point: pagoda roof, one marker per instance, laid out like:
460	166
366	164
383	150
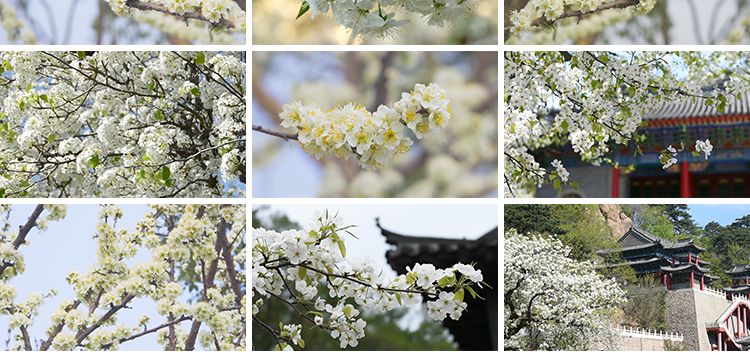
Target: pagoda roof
637	238
698	112
739	269
737	288
679	268
473	331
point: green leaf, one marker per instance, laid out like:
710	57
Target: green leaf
721	107
447	281
81	54
459	295
44	98
709	102
342	247
410	278
471	291
398	298
556	183
158	115
276	348
7	66
2	193
94	161
151	85
51	139
695	154
302	272
165	172
301	343
313	234
631	91
347	311
22	105
29	87
195	91
304	8
564	125
201	59
168	182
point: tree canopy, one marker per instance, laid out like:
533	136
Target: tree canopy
122	124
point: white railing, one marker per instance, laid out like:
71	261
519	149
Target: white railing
715	292
644	333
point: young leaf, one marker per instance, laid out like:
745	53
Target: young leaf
94	161
398	298
51	139
81	54
201	59
459	296
158	115
165	173
342	247
304	8
195	91
302	272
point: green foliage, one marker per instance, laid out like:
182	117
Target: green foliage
586	230
646	306
278	221
675	346
652	218
531	218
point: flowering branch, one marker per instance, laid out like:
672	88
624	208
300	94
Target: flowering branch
146	6
543	20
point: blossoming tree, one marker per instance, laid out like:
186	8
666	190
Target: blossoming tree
198	247
595	101
127	124
435	138
292	266
553	302
178	21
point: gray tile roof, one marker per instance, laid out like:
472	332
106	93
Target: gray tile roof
688	109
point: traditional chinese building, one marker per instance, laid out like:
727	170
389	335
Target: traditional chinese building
674	264
726	173
477	329
740	275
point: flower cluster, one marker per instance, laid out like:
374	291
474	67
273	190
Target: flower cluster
15	26
367	19
314	257
130	137
564	300
373	137
594	100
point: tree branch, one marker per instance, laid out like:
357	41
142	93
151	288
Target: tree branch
619	4
285	136
146	6
22	232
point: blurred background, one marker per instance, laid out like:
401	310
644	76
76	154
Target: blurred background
92	22
274	23
459	161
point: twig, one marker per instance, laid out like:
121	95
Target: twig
285	136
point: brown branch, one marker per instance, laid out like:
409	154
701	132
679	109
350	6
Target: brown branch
22	232
619	4
86	332
47	343
285	136
146	6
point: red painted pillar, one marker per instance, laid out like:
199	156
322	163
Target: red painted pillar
690	258
744	318
615	182
696	259
684	180
718	335
702	283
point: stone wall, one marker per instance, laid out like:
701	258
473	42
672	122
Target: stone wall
641	344
688	310
594	182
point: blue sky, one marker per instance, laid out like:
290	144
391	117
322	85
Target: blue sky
723	214
67	245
